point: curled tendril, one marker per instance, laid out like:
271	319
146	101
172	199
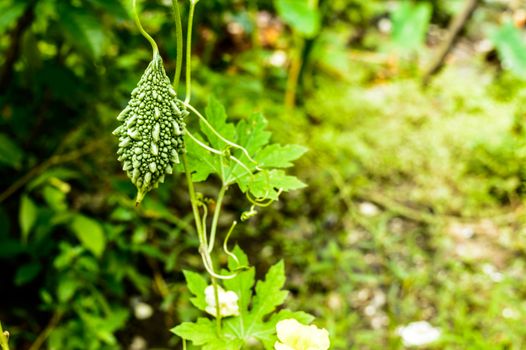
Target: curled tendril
225	243
259	202
205	215
249	214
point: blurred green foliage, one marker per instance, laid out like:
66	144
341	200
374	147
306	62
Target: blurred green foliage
410	24
414	207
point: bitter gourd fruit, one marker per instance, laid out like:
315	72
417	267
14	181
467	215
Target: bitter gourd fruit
151	133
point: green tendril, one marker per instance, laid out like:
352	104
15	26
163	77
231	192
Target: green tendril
230	143
225	243
259	201
203	219
220	153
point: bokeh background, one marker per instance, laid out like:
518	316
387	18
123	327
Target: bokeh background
414	209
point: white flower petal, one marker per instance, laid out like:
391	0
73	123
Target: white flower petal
418	334
142	311
281	346
296	336
227	302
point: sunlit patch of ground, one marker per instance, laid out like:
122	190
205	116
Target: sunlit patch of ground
416	223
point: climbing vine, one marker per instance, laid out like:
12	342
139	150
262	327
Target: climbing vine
154	141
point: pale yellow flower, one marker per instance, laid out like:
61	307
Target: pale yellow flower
293	335
227	302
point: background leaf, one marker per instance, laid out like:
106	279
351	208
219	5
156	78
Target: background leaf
90	234
113	7
10	12
410	23
66	288
511	48
27	216
83	30
10	153
299	15
27	272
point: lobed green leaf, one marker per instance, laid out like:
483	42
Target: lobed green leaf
196	284
277	156
251	134
216	116
254	321
268	292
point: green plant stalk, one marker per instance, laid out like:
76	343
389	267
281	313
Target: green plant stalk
213	230
3	339
189	52
179	42
294	73
193	199
155	49
203	249
218	307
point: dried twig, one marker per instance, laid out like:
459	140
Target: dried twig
455	28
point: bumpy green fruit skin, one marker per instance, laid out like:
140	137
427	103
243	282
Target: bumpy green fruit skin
151	134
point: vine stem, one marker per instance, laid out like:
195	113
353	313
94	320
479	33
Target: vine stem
193	199
200	225
218	307
203	249
219	204
179	42
189	51
155	49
